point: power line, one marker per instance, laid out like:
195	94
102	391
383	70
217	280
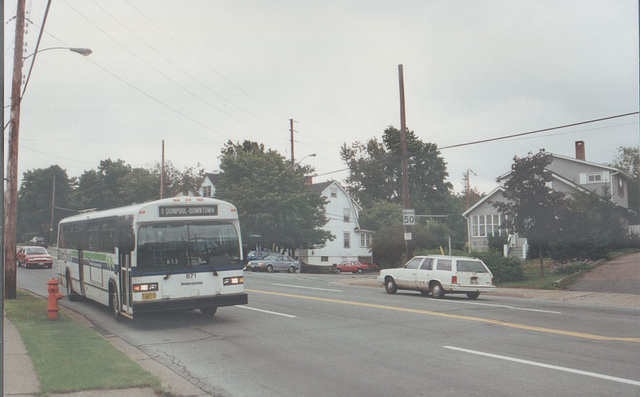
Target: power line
537	131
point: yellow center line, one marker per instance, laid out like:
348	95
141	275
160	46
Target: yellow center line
455	316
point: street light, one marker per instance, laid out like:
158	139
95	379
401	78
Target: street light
308	155
82	51
10	198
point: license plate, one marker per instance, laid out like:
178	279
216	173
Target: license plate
41	264
474	280
148	295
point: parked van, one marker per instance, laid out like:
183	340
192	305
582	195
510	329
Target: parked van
439	274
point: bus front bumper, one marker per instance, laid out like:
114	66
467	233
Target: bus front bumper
190	303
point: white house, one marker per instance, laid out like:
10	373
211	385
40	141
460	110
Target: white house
351	242
208	188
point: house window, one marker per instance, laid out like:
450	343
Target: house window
486	225
620	187
324	259
365	240
346	215
206	191
594	177
347	240
334	192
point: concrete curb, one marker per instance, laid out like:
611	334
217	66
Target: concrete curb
599	298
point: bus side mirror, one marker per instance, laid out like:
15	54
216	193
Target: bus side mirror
127	242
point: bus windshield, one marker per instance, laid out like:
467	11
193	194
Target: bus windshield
173	247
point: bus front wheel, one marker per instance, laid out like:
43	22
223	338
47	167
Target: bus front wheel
113	303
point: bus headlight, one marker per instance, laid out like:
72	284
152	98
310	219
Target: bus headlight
145	287
233	280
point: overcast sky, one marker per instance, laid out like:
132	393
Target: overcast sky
198	73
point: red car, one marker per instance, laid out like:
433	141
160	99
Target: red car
34	257
351	266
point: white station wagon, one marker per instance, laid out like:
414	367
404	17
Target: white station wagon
438	274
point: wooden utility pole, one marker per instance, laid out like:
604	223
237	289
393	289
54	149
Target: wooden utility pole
162	173
292	157
11	199
404	154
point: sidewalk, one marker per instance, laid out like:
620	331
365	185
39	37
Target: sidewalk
584	297
20	379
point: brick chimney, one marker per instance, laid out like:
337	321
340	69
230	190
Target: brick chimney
580	155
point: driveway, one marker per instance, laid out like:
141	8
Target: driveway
621	276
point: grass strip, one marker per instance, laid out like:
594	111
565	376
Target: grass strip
69	356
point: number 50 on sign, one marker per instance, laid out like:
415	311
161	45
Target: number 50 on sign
409	217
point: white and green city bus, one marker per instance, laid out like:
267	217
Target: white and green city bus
176	253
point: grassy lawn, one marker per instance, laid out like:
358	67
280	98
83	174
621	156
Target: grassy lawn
68	356
533	280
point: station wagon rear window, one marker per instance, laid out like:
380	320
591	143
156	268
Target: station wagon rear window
471	266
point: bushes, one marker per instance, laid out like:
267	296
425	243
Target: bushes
504	269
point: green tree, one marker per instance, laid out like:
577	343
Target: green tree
533	209
178	182
100	188
380	213
139	186
376	172
35	199
273	200
593	227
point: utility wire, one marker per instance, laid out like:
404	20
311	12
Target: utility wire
204	63
537	131
178	68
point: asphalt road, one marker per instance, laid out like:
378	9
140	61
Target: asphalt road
305	335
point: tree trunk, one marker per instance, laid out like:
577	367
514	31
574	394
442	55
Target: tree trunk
541	261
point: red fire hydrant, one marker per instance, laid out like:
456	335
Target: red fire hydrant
54	296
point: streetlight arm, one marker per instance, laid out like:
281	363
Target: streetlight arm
82	51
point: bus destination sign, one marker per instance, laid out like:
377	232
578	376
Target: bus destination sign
201	210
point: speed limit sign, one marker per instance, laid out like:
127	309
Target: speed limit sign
409	217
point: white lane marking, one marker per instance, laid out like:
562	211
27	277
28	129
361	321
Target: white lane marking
298	286
266	311
494	305
549	366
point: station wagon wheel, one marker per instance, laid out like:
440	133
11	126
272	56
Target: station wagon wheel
208	311
436	290
359	270
473	295
269	269
292	269
390	286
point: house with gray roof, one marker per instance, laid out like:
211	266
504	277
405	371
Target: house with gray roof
569	175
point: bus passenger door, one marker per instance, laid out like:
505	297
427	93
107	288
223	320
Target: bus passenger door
124	279
126	244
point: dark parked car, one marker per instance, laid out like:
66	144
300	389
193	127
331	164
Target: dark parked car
34	257
38	241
